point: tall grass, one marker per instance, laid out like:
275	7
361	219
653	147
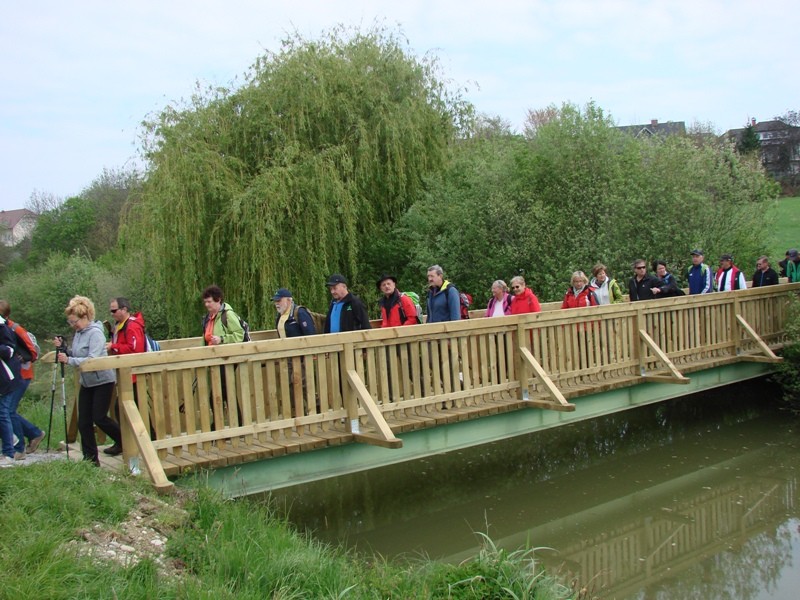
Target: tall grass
230	549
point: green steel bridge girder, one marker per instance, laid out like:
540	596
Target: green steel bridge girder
332	461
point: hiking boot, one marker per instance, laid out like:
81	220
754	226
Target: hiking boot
19	456
114	450
34	443
6	461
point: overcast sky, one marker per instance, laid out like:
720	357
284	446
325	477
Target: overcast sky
79	76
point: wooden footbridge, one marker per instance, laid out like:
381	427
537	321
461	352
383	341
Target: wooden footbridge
214	407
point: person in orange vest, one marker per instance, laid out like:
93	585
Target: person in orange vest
27	353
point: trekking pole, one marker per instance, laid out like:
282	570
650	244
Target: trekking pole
52	400
64	406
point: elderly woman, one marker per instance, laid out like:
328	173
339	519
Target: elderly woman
607	289
94	396
500	302
580	294
525	301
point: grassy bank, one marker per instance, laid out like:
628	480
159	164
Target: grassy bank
69	531
786	228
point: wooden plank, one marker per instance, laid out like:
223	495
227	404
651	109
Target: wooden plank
159	404
187	399
245	397
554	392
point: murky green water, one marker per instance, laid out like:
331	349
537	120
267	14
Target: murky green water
695	498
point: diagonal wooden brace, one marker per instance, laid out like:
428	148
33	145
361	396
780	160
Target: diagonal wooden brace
385	436
770	357
677	376
559	402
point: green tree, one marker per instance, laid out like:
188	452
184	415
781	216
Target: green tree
749	143
279	182
577	192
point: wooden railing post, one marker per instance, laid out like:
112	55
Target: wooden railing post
521	364
348	363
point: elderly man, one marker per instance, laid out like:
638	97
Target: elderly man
444	301
292	319
729	277
699	275
764	275
346	312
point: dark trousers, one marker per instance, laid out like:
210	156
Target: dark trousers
93	403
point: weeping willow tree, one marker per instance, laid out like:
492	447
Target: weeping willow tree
281	181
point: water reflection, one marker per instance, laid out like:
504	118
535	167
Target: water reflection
688	499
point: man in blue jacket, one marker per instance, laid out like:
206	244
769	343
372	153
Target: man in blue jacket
444	301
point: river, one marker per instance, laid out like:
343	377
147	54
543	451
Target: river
691	498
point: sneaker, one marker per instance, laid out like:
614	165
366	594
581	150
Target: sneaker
114	450
6	461
34	443
19	456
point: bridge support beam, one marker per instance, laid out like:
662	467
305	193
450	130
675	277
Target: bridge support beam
769	357
558	402
385	436
677	376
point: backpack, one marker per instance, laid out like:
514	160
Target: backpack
415	299
151	345
466	301
242	322
22	348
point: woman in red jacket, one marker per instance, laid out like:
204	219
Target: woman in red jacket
580	294
525	301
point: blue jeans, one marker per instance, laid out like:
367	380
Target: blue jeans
22	427
6	427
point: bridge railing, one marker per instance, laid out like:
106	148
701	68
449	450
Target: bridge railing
217	403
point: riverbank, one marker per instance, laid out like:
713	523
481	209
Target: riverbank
70	530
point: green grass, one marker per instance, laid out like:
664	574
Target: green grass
229	549
786	230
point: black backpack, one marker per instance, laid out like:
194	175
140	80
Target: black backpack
242	322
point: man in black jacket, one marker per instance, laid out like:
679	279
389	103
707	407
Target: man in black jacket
346	312
764	275
641	284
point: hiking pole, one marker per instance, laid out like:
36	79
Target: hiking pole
52	399
64	406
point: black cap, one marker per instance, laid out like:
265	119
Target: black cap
792	253
383	278
336	279
726	257
697	252
282	293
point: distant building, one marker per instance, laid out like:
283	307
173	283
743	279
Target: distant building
654	128
16	225
780	146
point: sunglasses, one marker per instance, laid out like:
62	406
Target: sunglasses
113	311
516	287
637	268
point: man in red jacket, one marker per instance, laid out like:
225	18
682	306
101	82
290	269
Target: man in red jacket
396	307
127	336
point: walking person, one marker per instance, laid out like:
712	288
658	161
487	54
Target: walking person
97	387
641	284
396	308
291	319
699	275
500	303
444	301
605	288
221	325
524	301
764	275
346	311
9	380
729	278
27	353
